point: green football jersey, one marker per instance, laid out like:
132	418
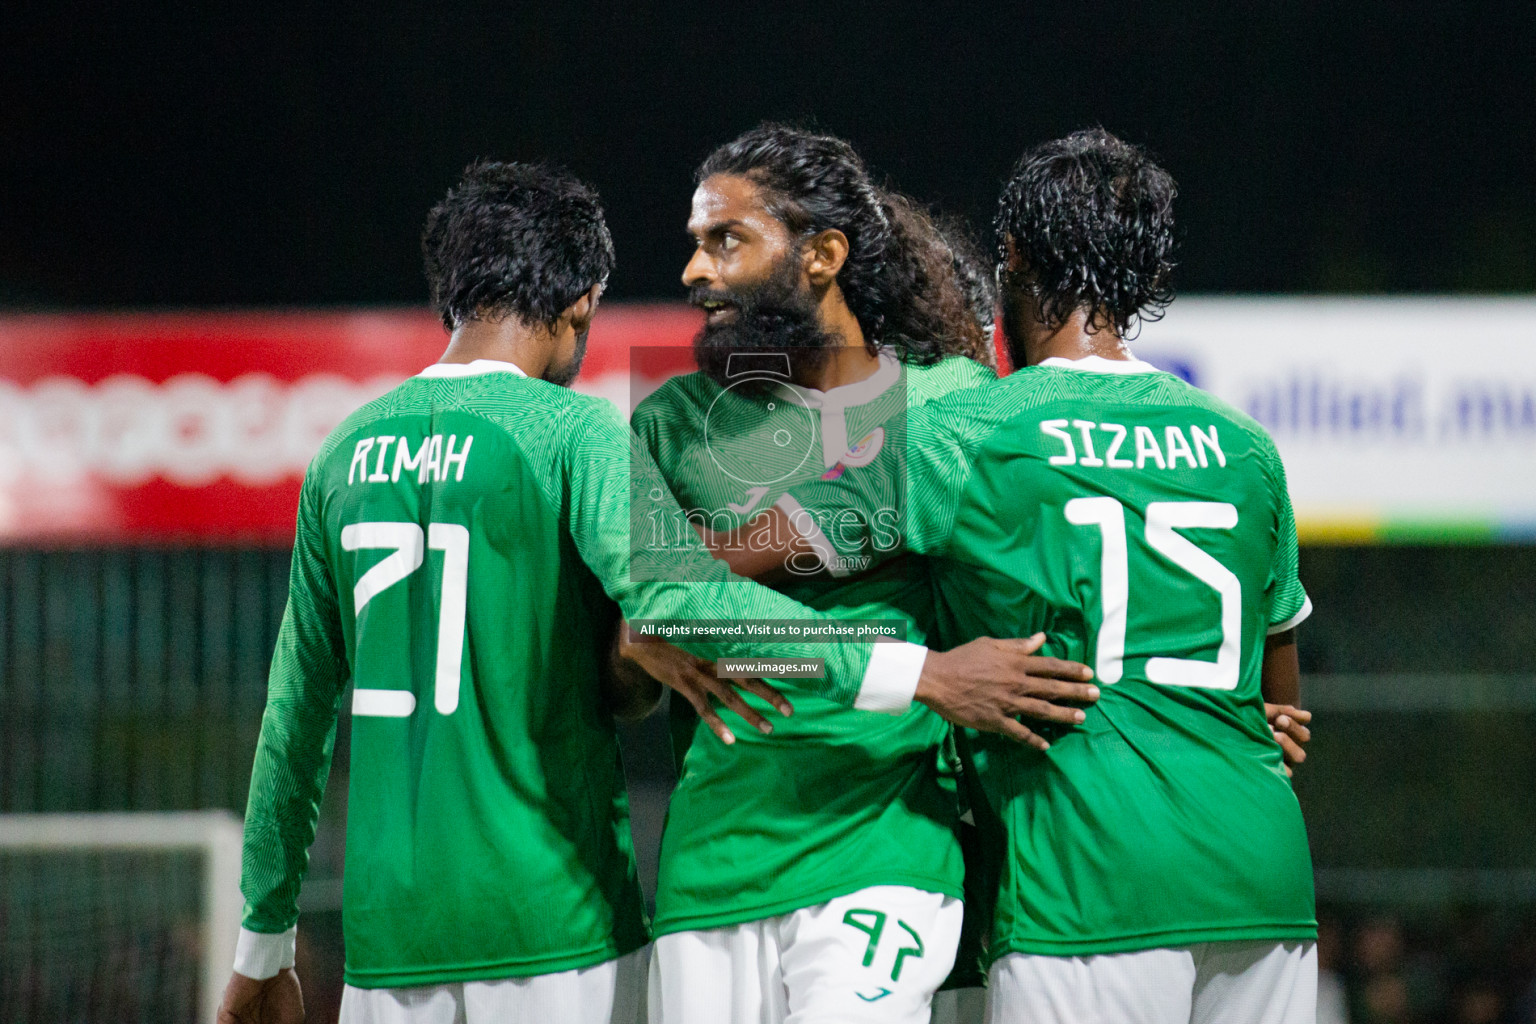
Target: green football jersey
836	799
1145	527
460	544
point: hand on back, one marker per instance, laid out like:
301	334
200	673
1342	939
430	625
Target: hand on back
986	683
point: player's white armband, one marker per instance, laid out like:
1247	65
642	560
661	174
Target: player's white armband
890	681
260	956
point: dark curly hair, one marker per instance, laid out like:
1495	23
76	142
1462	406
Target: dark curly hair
1091	218
976	280
899	279
513	239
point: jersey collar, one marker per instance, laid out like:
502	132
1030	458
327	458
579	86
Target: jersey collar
1098	364
472	369
857	393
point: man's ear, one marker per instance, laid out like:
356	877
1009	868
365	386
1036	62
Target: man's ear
1015	261
826	252
581	312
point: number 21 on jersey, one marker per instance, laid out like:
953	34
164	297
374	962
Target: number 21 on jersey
407	551
1163	518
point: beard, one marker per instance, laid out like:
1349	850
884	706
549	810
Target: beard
775	317
566	374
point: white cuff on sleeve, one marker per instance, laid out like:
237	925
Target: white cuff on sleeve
260	956
891	678
805	525
1294	620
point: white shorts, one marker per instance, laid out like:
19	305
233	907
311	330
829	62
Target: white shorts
1208	983
612	992
875	955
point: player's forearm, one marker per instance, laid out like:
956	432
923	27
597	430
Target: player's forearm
293	759
728	608
1280	681
764	549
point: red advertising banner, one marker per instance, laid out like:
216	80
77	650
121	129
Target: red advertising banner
166	427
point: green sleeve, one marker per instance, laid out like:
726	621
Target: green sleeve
298	733
668	419
905	500
647	420
632	534
1288	601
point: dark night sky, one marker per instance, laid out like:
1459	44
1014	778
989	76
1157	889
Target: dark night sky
158	154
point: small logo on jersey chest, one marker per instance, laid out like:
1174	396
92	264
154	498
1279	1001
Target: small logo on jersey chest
863	453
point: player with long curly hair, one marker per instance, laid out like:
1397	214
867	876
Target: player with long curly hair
815	873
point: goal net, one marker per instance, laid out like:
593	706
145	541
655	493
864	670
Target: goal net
117	917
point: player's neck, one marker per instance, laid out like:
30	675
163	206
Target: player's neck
507	341
1073	340
850	361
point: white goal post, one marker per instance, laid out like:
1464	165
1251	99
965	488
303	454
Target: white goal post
214	835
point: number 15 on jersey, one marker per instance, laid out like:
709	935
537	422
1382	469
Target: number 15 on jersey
1163	518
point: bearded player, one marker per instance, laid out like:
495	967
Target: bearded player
814	873
461	545
1157	866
